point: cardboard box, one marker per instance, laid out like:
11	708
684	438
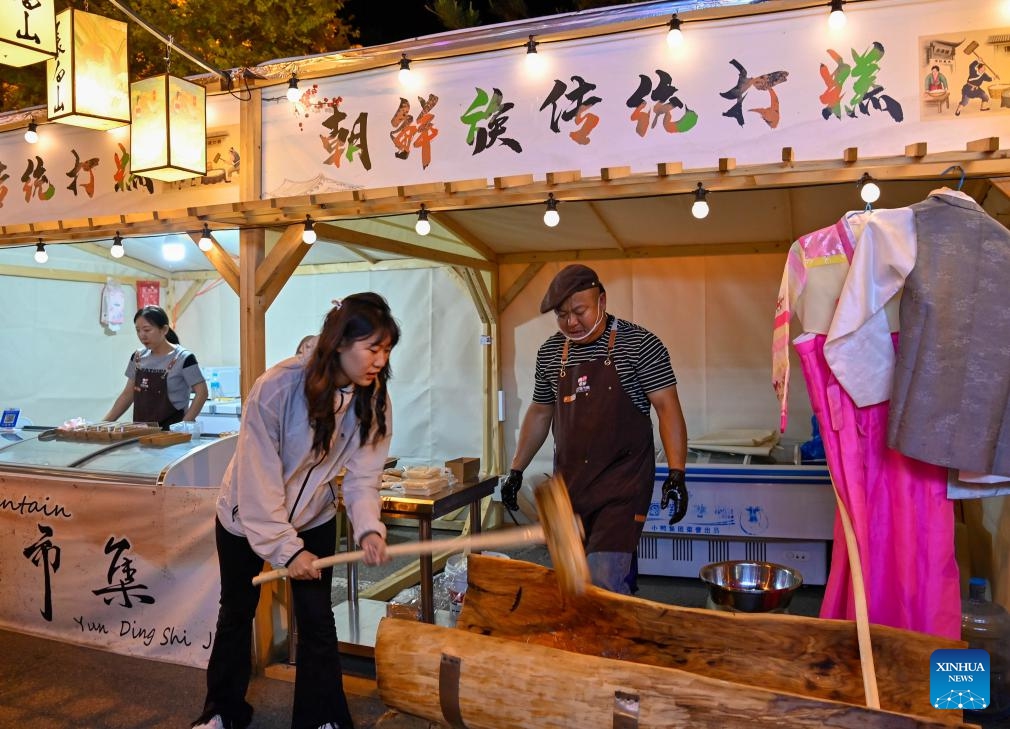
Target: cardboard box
464	469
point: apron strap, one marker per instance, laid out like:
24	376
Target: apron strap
610	348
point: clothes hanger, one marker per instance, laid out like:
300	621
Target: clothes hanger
960	182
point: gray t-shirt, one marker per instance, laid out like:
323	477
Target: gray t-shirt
184	372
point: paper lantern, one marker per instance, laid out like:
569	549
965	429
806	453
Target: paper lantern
27	31
88	83
168	137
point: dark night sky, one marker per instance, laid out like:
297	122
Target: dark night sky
384	22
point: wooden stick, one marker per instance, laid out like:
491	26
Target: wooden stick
531	534
859	600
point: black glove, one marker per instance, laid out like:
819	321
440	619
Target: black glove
510	486
675	493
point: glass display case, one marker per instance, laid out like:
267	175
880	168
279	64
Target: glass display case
196	463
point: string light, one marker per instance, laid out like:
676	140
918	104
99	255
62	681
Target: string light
117	251
674	37
700	207
293	93
869	190
836	20
551	216
404	72
534	61
422	226
40	252
309	233
206	243
32	133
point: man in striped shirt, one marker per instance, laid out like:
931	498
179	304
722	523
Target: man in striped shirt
595	382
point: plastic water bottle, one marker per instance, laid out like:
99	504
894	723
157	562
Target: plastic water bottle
215	387
986	625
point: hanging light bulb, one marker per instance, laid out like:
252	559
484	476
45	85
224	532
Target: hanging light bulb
422	226
404	72
40	252
869	190
551	216
31	133
117	251
205	243
309	233
534	61
674	37
836	20
293	93
700	207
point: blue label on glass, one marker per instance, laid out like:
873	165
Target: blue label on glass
9	418
959	679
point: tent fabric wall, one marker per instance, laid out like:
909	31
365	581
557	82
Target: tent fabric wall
58	363
713	313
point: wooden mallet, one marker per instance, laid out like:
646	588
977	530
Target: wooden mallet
559	529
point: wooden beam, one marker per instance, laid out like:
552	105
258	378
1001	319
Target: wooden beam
102	252
670	251
1002	184
522	189
57	274
283	259
560	178
503	183
988	144
850	155
614	173
188	298
594	209
356	250
457	186
519	284
465	236
347	235
727	164
665	169
788	155
917	150
226	268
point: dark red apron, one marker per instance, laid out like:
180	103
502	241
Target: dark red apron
150	395
603	449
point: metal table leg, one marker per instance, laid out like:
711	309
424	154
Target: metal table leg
352	586
427	588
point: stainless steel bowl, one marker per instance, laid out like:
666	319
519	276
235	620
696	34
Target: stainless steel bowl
750	587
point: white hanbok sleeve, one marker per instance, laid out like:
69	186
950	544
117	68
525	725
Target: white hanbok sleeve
858	348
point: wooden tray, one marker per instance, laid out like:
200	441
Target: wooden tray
162	439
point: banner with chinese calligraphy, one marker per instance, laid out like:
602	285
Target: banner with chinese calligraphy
130	569
76	173
742	88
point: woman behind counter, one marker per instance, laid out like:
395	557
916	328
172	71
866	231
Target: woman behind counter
305	420
160	376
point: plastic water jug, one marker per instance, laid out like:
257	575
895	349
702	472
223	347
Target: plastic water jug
215	387
986	625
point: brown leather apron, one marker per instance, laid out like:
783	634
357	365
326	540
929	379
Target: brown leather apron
150	395
603	449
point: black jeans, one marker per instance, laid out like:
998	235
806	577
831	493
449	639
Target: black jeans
319	692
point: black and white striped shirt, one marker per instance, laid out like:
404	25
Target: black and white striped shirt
643	363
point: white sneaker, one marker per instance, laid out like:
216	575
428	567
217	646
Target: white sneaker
215	722
329	725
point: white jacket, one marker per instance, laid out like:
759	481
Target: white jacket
275	486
